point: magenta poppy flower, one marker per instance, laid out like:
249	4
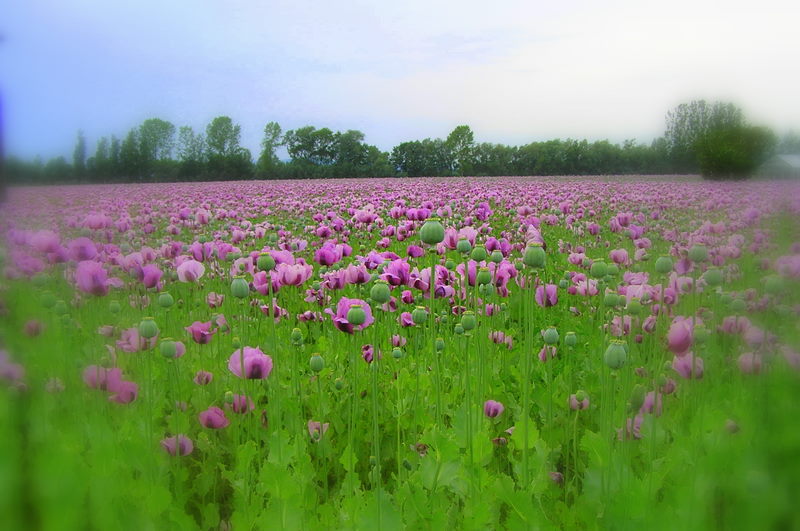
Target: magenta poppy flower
250	363
179	445
688	366
201	332
130	341
240	404
151	276
492	408
340	317
679	337
203	378
293	275
213	418
92	278
124	392
215	300
547	295
317	429
97	377
190	271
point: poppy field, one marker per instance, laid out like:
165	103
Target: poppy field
463	353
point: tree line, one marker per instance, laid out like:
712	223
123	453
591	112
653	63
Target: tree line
709	138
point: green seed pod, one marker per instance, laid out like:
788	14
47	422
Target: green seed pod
236	342
637	397
634	307
165	299
725	299
316	363
338	384
563	284
713	277
580	395
616	354
518	266
570	339
610	299
478	253
228	397
661	381
738	305
458	329
496	256
483	276
774	285
419	315
297	336
449	264
664	265
439	344
487	290
60	307
239	288
356	315
265	262
148	328
598	269
114	307
612	270
550	335
48	300
432	232
168	348
469	321
698	253
397	353
380	292
700	334
534	256
463	246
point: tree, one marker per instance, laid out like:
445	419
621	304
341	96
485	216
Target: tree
460	143
268	161
130	160
101	164
79	156
733	152
157	139
222	136
688	122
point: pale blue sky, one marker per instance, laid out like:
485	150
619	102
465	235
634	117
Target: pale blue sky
514	71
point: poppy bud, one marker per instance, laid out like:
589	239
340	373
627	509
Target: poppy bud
550	336
637	397
496	256
338	384
165	299
432	232
534	255
713	277
316	363
356	315
419	315
439	344
297	336
463	246
664	265
48	300
265	262
236	343
468	321
483	276
148	328
570	339
616	354
168	348
239	288
698	253
380	292
478	253
598	269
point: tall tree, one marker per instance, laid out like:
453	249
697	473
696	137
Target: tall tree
460	142
130	159
79	156
222	136
268	161
157	139
689	122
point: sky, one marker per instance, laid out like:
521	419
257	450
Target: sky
514	71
